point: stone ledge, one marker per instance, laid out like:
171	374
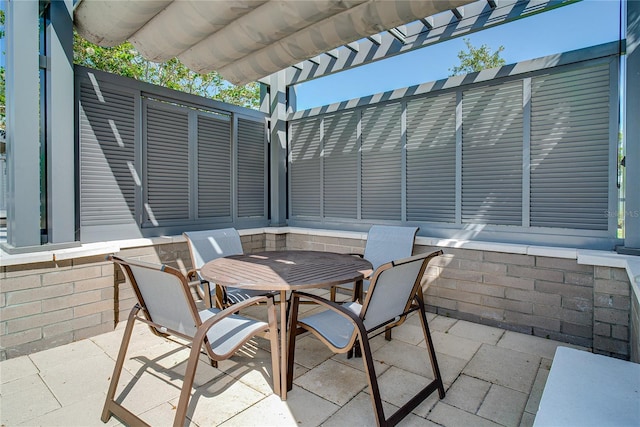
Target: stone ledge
586	257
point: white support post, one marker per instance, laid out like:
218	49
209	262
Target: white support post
632	161
23	124
278	148
60	124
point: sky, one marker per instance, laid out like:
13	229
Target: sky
579	25
582	24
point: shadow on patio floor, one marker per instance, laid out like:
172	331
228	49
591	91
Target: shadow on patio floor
492	376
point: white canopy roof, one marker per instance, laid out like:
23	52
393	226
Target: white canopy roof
244	40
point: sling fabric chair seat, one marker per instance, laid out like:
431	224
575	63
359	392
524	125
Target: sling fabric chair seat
165	303
384	243
395	292
207	245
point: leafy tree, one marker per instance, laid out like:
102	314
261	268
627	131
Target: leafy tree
477	59
124	60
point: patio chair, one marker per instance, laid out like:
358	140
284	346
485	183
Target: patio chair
384	243
394	292
165	303
207	245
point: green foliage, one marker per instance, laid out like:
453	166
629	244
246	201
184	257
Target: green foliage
477	59
124	60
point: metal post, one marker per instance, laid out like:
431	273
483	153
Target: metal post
632	161
23	124
278	149
60	124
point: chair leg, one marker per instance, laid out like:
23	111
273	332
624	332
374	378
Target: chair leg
370	370
117	370
293	326
221	300
432	352
355	351
208	301
333	293
387	334
358	292
187	383
275	353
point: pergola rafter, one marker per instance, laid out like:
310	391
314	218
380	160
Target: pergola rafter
430	30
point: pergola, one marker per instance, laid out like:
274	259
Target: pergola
277	43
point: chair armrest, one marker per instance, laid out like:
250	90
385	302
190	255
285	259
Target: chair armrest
233	309
209	323
338	308
362	256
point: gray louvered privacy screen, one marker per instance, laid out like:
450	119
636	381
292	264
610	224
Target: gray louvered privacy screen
305	168
252	169
569	148
492	154
341	159
107	146
154	161
166	156
214	165
527	153
431	158
381	161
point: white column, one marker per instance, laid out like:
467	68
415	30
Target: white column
23	124
278	148
632	135
60	124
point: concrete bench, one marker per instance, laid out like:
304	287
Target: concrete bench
586	389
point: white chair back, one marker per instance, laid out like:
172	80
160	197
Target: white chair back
163	296
392	290
386	243
208	245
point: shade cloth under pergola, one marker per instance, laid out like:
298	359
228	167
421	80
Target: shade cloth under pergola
244	40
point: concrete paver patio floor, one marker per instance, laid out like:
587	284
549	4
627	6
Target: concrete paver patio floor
492	377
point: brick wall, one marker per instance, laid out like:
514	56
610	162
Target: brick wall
48	304
546	297
549	297
612	309
634	330
44	305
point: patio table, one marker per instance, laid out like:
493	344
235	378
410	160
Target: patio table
285	271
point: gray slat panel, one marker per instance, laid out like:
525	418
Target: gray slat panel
167	163
252	167
107	157
492	129
214	166
431	158
341	165
304	171
570	149
382	162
